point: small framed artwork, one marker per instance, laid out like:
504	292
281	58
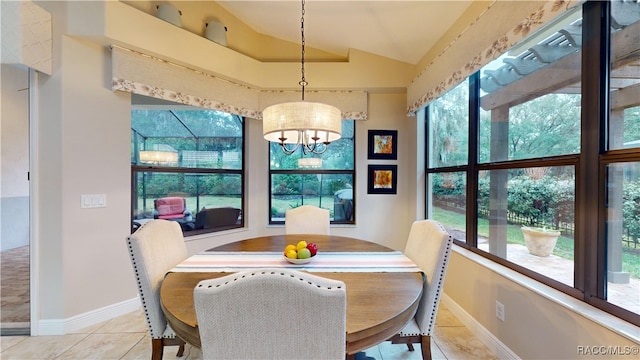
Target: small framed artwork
383	144
383	179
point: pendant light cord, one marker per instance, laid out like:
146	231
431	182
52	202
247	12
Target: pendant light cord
302	82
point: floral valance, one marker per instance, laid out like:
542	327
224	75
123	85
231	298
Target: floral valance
147	75
434	84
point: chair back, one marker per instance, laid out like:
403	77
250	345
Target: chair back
155	248
429	246
172	207
271	314
307	219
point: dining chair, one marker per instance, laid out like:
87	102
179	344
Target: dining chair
429	246
155	248
306	219
271	314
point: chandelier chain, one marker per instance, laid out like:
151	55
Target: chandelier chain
303	81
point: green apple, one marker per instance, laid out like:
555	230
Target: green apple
304	253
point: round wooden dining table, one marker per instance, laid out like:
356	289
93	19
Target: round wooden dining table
379	304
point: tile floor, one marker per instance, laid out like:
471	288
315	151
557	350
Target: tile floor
126	337
14	286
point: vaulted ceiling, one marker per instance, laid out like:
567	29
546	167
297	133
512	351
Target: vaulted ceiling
400	30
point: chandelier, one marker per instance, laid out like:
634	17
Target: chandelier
159	154
307	162
305	124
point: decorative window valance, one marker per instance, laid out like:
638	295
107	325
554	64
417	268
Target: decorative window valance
428	79
143	74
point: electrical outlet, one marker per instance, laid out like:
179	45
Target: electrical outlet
499	310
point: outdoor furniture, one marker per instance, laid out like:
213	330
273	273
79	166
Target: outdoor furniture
306	219
217	217
171	208
154	249
429	246
271	314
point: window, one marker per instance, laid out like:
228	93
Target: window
187	166
448	134
621	161
326	181
546	146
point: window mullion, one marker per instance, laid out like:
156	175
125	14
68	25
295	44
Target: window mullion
590	235
472	168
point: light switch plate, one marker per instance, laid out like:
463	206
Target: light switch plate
89	201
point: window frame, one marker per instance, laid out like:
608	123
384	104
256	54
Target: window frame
136	169
320	171
590	241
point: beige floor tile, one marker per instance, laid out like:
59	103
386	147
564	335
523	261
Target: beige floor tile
42	347
460	343
102	346
90	329
132	322
142	351
190	353
446	318
8	341
436	353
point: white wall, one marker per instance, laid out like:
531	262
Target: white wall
83	148
14	161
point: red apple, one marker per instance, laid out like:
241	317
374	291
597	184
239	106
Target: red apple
313	248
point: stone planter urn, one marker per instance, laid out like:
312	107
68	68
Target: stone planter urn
540	241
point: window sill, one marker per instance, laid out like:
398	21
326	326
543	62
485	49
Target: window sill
596	315
215	234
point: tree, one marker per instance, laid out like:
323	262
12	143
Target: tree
449	127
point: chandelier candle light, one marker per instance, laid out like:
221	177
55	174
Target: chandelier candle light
311	125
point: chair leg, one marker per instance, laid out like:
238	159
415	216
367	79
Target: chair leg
180	351
157	348
426	347
410	346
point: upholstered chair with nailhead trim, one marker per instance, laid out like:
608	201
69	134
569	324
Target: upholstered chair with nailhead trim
429	246
155	248
306	219
272	314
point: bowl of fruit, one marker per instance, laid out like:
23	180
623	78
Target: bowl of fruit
300	253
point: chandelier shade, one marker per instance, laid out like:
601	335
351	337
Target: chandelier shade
309	163
158	157
301	121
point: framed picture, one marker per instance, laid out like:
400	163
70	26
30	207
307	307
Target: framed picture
383	179
383	144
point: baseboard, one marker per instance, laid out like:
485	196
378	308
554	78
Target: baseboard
78	322
484	335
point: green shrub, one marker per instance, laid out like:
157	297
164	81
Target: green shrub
631	208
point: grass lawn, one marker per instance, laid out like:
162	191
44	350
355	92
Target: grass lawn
564	247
